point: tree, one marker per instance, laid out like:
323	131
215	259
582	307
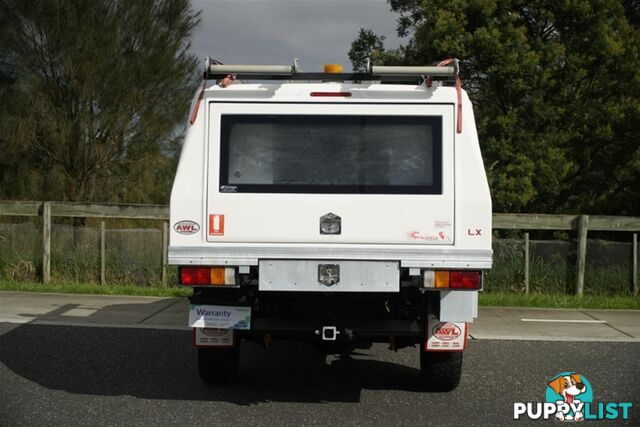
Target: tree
367	44
556	89
92	97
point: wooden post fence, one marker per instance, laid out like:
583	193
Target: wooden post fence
635	263
526	263
103	254
165	255
525	222
583	227
46	242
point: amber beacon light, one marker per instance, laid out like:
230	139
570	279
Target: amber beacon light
332	68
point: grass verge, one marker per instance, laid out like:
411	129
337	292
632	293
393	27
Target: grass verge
93	289
487	299
606	302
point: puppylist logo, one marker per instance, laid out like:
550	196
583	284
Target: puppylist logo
569	397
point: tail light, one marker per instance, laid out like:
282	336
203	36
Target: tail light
205	276
465	280
442	279
192	276
446	279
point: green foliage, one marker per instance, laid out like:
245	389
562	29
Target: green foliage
556	90
367	45
133	252
61	287
552	268
486	299
600	302
92	97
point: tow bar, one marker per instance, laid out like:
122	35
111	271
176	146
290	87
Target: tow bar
328	333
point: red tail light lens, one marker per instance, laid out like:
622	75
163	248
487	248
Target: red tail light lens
191	276
465	280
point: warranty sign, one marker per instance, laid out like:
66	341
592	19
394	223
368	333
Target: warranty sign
218	316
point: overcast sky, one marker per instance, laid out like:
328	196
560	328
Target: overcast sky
276	31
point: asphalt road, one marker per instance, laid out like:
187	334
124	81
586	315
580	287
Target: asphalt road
69	375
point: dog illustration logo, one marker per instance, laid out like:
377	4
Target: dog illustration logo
570	391
569	397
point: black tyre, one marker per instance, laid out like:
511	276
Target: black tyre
218	366
440	371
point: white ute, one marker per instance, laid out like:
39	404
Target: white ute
341	209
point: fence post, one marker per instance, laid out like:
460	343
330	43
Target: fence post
46	242
526	263
165	243
583	227
635	263
103	254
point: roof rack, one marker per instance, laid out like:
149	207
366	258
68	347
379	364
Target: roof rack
217	71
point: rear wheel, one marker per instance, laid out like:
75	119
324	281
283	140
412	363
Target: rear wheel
440	371
218	365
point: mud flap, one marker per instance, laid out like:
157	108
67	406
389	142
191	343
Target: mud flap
444	336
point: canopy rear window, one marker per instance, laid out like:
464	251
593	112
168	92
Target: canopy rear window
331	154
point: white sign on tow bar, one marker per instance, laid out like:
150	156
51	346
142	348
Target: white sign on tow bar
218	316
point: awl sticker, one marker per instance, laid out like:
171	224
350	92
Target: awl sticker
445	336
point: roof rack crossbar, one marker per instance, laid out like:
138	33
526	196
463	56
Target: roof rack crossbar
217	71
285	70
335	77
213	67
389	70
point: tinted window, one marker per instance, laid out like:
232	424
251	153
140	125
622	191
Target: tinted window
332	154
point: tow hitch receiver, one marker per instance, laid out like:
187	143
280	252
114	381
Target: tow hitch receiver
328	333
